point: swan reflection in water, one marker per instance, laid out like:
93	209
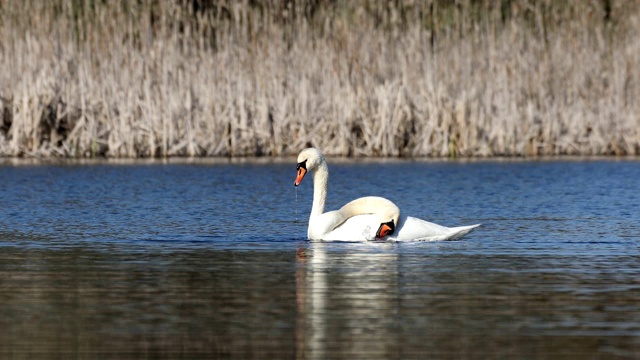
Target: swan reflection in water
346	299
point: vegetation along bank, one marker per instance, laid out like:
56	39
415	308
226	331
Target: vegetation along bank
433	78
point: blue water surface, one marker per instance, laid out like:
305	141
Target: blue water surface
211	259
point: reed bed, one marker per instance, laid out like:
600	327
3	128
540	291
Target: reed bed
357	78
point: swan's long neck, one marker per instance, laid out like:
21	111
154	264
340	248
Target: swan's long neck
320	183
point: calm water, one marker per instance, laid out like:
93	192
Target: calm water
211	260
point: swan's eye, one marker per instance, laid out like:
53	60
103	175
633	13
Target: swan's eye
302	164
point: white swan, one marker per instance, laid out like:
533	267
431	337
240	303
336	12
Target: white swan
367	218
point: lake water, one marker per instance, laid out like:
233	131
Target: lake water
211	260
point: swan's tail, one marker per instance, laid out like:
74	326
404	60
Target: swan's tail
460	231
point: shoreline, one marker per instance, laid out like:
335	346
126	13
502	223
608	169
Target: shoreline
265	160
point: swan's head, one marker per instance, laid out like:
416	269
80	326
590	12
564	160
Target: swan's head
308	159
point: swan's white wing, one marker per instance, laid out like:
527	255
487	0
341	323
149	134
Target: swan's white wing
364	227
411	229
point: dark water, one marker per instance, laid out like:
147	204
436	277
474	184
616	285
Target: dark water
210	260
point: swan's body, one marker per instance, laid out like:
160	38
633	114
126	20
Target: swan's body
375	210
367	218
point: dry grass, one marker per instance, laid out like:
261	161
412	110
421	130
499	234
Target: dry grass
164	78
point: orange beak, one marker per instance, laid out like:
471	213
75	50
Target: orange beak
301	173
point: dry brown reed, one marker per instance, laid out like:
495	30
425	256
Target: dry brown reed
403	78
